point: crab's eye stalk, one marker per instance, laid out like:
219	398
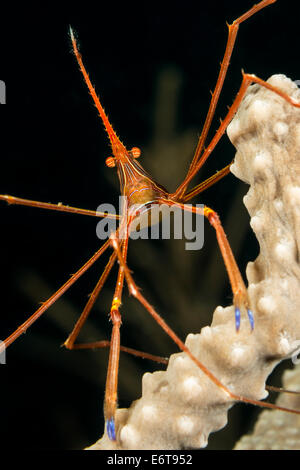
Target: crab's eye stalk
110	162
135	152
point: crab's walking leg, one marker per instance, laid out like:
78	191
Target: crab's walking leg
134	290
69	343
55	207
206	184
240	295
22	328
248	79
237	283
232	33
111	388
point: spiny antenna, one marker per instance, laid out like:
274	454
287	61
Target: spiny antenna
114	140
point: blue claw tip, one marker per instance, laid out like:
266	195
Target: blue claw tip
111	431
251	319
237	318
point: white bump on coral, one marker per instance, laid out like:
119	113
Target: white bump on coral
146	380
284	251
190	339
267	304
294	194
257	222
220	309
181	362
239	354
260	110
164	389
185	425
280	129
285	284
149	412
278	205
206	330
129	436
249	201
235	169
233	130
284	343
191	388
262	161
283	83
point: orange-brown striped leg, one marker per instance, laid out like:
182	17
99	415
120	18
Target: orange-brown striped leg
55	207
22	328
69	343
134	352
206	184
240	295
248	79
111	387
271	388
134	290
232	33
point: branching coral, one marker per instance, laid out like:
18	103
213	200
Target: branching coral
180	407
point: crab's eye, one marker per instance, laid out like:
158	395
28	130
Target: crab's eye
110	162
135	152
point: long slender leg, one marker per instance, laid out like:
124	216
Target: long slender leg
111	387
232	33
134	352
271	388
135	291
240	295
206	184
246	82
56	207
22	328
69	343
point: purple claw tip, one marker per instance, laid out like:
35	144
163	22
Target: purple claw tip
237	318
111	431
251	319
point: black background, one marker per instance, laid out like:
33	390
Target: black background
53	148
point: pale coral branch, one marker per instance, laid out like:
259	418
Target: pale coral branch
180	407
275	430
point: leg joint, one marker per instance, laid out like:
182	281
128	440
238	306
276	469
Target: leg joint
212	216
115	317
115	303
68	344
